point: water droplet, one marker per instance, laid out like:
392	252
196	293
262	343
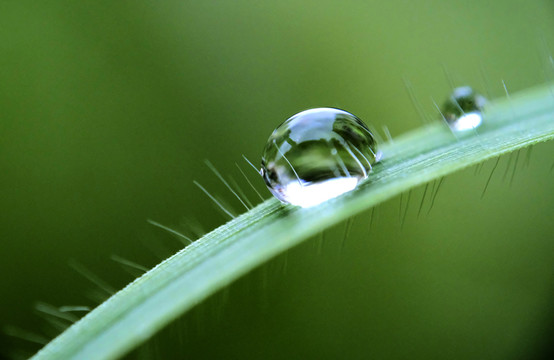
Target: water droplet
463	110
316	155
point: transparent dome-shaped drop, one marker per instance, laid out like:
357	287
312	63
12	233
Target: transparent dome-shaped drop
316	155
463	110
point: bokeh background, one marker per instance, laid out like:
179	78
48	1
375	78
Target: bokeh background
108	110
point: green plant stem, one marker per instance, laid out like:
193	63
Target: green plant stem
177	284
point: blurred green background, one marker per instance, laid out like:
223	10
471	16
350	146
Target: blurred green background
109	108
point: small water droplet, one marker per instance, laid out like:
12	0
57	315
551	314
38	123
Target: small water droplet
316	155
463	110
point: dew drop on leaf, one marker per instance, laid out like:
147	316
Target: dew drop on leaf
463	110
316	155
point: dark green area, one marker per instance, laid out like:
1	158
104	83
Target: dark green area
108	110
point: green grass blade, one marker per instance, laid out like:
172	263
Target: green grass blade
171	288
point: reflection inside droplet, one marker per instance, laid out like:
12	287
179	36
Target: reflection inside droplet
463	110
467	122
316	155
314	194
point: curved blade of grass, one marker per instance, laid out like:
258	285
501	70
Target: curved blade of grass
174	286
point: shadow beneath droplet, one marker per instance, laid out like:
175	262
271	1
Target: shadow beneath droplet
285	210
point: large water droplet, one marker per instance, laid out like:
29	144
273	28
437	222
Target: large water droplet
463	110
316	155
